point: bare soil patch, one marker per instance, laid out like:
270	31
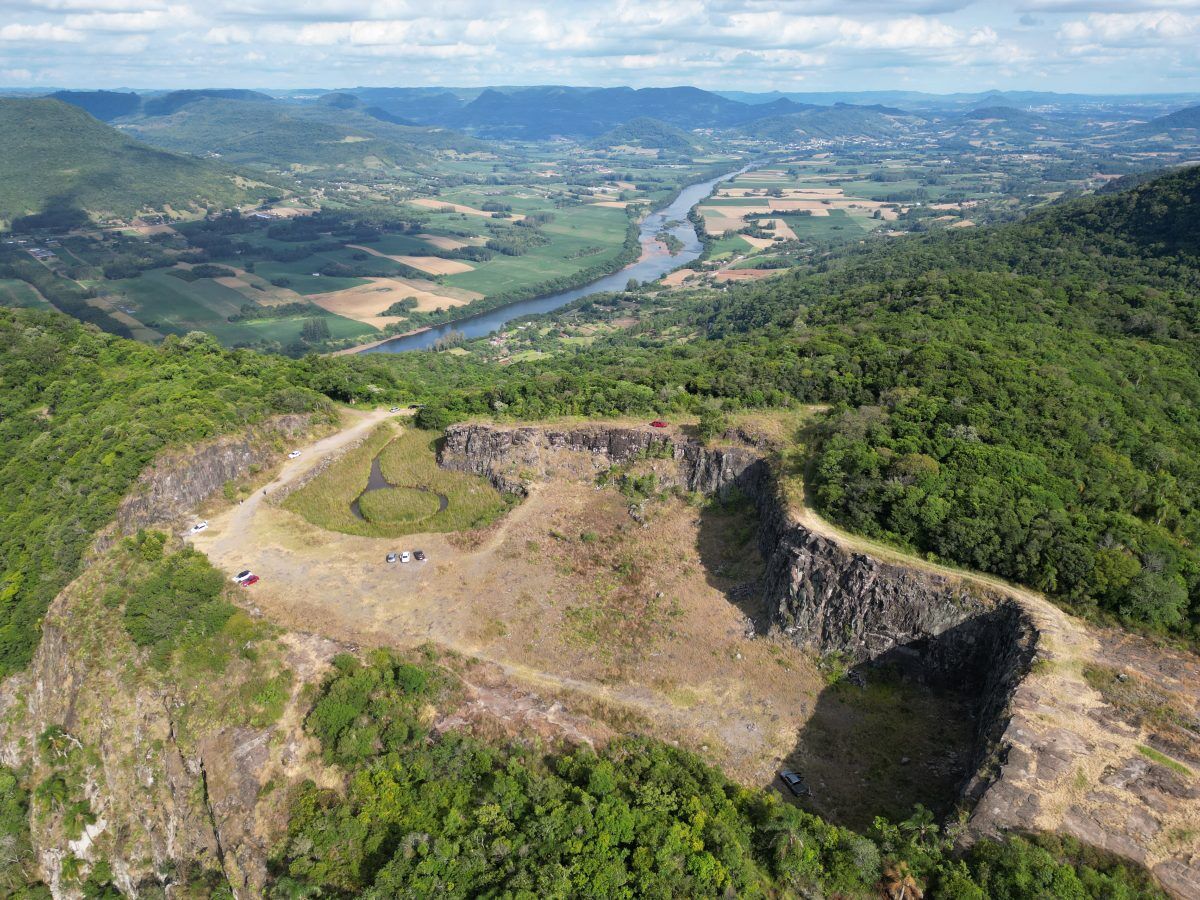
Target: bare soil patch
367	302
568	594
435	265
746	274
679	276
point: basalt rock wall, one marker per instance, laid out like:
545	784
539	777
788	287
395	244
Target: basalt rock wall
181	479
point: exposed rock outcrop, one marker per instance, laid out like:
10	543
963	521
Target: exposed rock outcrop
180	479
511	457
1046	755
173	795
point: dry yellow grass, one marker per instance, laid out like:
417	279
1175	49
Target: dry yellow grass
435	265
678	277
746	274
367	302
758	243
442	242
784	230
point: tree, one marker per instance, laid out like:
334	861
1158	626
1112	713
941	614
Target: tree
314	331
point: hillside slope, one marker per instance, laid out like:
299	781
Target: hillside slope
54	156
651	134
840	121
255	129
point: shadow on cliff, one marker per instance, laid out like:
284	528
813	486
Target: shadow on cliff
911	726
727	542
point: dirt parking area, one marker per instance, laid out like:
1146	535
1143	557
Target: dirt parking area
631	624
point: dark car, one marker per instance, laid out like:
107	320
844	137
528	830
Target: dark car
793	782
419	555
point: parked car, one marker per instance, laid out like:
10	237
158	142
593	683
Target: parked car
393	557
658	423
404	557
419	555
199	526
395	409
794	782
293	454
242	575
253	579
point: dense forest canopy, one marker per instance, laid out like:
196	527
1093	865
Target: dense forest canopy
453	816
82	413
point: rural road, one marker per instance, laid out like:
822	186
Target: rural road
233	530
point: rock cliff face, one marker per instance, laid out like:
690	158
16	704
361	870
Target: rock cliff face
815	591
180	479
1050	753
174	794
177	795
509	457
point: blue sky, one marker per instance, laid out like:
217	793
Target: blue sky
790	45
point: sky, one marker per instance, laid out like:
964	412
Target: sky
942	46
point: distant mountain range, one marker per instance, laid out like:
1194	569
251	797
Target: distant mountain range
378	127
1184	119
334	129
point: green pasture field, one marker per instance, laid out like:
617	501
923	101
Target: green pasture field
203	305
408	462
727	246
572	230
400	245
14	292
286	330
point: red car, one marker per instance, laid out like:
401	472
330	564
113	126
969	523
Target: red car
253	579
658	423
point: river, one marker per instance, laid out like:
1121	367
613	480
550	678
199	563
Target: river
654	262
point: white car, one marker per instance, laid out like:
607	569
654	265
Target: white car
242	576
405	557
199	526
293	454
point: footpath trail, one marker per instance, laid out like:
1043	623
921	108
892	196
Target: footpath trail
235	531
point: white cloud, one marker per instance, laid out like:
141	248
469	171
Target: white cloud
143	20
1124	29
834	44
41	32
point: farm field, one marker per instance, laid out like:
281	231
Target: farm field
837	207
168	304
379	255
14	292
573	234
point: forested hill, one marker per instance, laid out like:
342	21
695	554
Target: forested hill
1023	399
57	159
82	413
